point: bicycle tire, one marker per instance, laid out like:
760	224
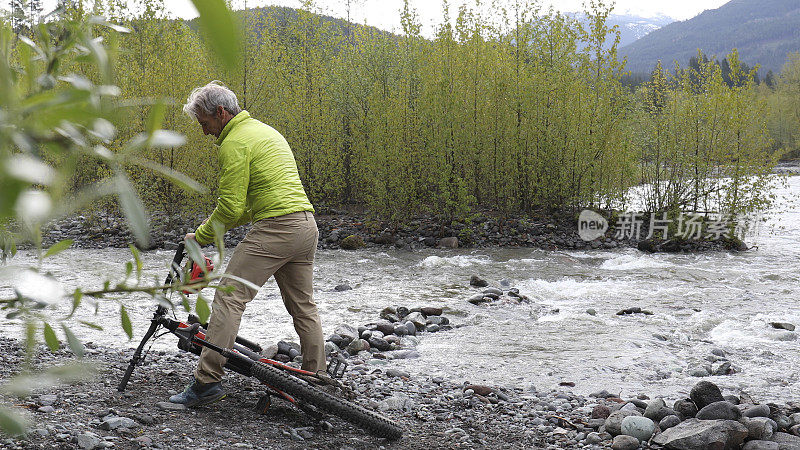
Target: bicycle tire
355	414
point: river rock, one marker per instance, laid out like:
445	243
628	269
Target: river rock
379	343
342	287
477	281
669	422
432	328
756	411
400	330
719	410
448	242
600	412
411	329
479	389
357	345
347	332
613	423
88	441
492	291
396	402
705	393
758	428
272	350
786	441
417	319
330	347
113	422
693	434
477	299
624	442
782	326
685	409
639	427
402	354
384	326
431	311
653	407
48	399
781	420
397	373
351	242
761	445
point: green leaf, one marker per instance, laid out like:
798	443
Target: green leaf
90	325
247	283
74	343
176	177
58	247
128	269
220	30
137	258
202	309
77	296
156	117
12	423
185	303
50	337
194	251
126	322
22	385
133	208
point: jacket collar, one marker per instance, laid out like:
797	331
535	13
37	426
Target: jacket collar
242	116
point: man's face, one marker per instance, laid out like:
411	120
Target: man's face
211	123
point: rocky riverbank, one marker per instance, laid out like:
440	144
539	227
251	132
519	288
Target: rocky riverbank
346	230
435	412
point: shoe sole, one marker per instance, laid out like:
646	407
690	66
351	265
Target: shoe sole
207	401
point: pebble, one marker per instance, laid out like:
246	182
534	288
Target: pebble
169	406
623	442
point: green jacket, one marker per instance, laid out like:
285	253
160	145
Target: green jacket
258	178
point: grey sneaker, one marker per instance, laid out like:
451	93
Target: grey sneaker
198	394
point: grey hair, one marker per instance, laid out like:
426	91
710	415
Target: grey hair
207	98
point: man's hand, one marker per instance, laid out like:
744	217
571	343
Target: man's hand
188	236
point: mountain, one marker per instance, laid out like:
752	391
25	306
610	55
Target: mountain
764	32
631	27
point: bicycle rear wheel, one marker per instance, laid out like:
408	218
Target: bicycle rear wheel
355	414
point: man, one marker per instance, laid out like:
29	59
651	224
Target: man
258	183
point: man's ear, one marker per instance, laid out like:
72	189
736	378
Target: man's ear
220	111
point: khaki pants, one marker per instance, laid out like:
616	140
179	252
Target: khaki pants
284	247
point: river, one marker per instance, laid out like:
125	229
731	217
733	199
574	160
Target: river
700	302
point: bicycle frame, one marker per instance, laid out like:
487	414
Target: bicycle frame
192	337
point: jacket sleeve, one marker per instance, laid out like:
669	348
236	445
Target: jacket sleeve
234	162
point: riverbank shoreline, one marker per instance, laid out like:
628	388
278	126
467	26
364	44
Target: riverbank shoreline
434	412
340	229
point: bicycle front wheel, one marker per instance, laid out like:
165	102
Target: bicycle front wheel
355	414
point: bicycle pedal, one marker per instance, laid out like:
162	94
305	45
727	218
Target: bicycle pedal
336	367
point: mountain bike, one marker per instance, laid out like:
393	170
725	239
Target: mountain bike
281	380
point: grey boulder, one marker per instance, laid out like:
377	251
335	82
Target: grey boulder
705	393
613	423
719	410
694	434
639	427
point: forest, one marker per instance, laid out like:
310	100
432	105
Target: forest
518	112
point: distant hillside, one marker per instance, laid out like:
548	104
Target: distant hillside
764	32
